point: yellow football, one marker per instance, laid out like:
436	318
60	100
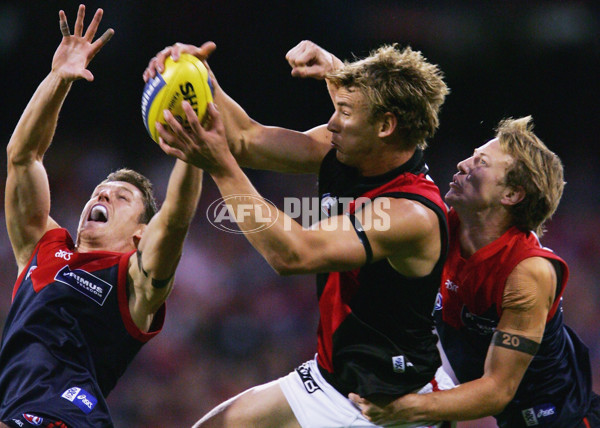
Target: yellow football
187	79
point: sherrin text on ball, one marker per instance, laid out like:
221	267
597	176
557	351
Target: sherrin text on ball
187	79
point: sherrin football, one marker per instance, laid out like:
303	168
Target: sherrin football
187	79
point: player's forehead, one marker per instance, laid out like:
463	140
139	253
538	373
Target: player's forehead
493	149
350	96
118	186
490	147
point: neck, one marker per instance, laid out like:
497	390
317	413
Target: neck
479	229
384	161
86	246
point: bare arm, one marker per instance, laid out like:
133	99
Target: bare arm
399	229
152	268
528	297
27	199
253	144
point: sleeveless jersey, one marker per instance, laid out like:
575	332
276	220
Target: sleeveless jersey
69	335
375	328
556	388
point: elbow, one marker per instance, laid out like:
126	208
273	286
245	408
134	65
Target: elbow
502	396
499	405
17	157
284	268
241	145
12	156
286	263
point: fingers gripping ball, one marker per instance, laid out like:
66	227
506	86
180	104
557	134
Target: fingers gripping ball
186	79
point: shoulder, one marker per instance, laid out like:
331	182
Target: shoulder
531	282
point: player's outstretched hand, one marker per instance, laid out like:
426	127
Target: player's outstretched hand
77	50
205	147
308	59
157	63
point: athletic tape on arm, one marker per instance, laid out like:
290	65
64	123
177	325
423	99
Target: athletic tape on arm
362	236
515	342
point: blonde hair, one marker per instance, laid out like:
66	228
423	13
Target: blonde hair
537	170
401	82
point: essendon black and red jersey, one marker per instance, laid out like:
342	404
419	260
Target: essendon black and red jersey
69	335
556	388
375	328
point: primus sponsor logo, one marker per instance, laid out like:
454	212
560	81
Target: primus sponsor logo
253	214
84	282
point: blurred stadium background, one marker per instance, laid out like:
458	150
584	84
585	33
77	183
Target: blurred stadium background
231	321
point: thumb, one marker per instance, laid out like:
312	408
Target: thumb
87	75
206	49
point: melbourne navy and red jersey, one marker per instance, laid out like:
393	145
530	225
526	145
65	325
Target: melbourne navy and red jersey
375	329
556	388
69	334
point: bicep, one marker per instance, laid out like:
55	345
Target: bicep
144	299
284	150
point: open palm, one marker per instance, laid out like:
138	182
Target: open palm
77	50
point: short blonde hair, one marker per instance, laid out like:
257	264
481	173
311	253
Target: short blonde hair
401	82
537	170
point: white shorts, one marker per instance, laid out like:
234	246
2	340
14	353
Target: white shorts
317	404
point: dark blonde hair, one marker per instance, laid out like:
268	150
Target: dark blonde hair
401	82
143	184
536	169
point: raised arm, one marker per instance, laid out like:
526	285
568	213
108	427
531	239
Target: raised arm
528	297
27	198
253	144
152	268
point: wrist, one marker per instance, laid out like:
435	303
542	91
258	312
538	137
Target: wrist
336	63
226	169
417	404
60	80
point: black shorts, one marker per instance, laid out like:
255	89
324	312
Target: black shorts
29	419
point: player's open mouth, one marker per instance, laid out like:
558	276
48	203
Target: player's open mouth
98	213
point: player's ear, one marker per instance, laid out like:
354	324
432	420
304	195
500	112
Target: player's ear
387	124
512	196
137	236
